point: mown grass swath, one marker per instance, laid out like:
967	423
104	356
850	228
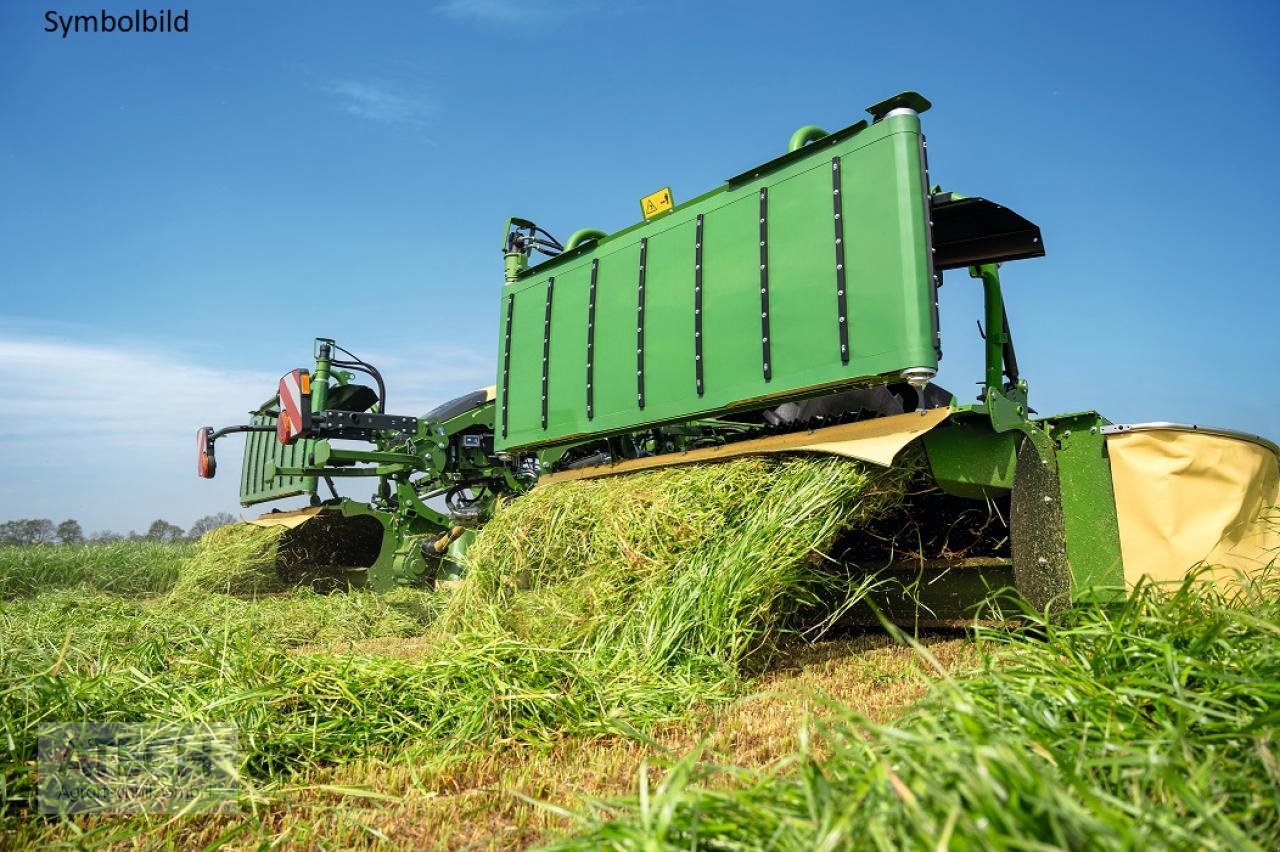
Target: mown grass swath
1151	725
237	559
586	602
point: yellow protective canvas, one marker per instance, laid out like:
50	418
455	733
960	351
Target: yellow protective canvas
878	441
290	520
1184	498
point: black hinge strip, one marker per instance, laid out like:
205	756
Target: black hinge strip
506	362
546	348
764	282
842	302
591	338
933	271
644	250
697	304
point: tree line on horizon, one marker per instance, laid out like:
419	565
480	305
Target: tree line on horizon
22	532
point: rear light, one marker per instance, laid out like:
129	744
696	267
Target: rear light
284	427
206	462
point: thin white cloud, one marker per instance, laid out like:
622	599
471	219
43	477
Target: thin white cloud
382	101
119	396
105	433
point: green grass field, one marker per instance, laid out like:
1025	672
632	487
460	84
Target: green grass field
620	670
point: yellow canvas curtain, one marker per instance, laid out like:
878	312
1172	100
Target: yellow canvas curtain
291	520
878	441
1185	498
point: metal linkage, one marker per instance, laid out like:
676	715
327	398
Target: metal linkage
506	362
697	304
358	425
764	282
644	251
591	338
546	348
842	302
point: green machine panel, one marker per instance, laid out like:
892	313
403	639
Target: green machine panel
263	447
807	273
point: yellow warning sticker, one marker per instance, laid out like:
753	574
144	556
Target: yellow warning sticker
657	203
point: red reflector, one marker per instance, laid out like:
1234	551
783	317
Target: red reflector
206	463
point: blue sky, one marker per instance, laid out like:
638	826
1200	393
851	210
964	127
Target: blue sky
180	214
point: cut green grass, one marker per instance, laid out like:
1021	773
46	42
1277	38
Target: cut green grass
486	798
237	559
599	617
588	604
1153	725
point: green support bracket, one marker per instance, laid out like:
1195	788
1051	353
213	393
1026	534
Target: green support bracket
1005	404
997	332
968	459
1088	506
319	398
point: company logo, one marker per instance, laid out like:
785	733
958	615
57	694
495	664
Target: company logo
139	21
86	767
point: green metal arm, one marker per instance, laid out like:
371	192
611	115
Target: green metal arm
1005	404
325	453
319	396
271	470
999	344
